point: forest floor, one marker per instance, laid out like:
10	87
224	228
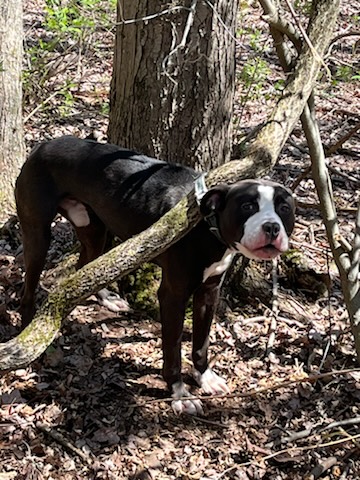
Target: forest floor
94	406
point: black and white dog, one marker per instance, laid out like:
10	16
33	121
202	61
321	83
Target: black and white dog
102	187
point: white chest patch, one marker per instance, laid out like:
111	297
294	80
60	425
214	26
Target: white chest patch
220	267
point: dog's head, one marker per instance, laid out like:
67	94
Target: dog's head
253	217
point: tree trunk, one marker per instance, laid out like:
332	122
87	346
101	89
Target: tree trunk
11	133
173	81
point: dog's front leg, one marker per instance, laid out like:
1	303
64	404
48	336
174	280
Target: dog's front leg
205	302
172	310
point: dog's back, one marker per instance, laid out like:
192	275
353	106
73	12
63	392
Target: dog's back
104	176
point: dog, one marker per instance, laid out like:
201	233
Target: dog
103	188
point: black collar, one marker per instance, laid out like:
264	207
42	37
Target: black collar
212	221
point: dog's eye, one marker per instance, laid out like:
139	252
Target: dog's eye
284	208
248	207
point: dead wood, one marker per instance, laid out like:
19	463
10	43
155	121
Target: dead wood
262	156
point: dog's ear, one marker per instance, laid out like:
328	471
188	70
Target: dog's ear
213	200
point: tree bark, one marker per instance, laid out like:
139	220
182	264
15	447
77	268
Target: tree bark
173	81
176	223
11	133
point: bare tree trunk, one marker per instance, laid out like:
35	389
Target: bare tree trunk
11	133
173	81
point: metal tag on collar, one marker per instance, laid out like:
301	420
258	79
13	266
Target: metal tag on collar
200	188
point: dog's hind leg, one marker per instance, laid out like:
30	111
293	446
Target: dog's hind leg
36	239
36	203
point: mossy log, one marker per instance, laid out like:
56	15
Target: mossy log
262	156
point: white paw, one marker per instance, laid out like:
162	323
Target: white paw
182	405
112	301
211	383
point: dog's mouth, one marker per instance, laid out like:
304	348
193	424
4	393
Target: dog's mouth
261	250
267	252
264	252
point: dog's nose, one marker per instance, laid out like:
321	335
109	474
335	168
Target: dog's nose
271	229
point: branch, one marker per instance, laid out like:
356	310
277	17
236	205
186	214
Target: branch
347	260
280	25
306	38
148	17
190	19
351	33
257	391
355	260
262	156
334	148
222	23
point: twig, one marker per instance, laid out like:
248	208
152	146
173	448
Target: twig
348	177
308	245
329	308
349	152
262	318
257	391
312	447
342	423
148	17
353	275
316	206
300	178
223	24
307	39
207	422
333	148
279	24
323	466
351	33
228	470
182	44
47	100
334	170
319	428
293	450
59	438
275	312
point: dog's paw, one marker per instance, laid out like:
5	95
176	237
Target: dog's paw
181	405
112	301
210	382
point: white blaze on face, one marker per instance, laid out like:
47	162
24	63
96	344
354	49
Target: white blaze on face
254	237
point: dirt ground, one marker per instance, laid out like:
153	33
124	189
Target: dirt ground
94	406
